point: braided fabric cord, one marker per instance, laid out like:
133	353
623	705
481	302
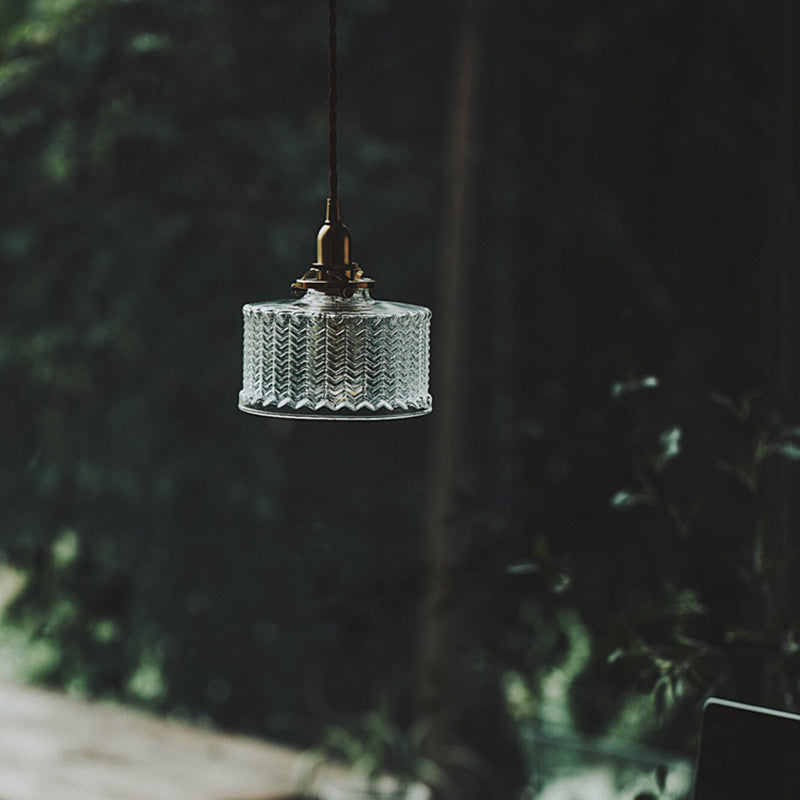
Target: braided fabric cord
333	175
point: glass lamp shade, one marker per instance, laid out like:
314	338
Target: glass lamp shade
329	357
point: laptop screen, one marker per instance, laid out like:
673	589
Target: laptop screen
747	753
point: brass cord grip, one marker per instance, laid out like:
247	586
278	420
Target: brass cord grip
333	272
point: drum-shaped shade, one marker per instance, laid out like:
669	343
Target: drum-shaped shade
329	357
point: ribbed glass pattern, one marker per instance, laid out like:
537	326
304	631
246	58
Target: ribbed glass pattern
335	358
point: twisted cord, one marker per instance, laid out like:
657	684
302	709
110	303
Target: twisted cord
333	175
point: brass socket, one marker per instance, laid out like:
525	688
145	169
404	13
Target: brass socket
333	272
333	239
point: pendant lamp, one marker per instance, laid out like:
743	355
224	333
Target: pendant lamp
334	352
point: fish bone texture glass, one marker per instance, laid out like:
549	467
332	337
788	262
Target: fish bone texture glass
330	357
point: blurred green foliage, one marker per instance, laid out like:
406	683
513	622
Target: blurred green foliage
161	163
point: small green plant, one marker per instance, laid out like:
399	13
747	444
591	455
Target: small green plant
389	758
717	620
682	599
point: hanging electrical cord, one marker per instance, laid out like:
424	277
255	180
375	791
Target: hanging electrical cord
333	80
333	273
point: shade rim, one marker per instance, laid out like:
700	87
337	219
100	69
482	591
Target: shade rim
341	415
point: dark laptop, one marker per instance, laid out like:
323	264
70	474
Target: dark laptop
747	753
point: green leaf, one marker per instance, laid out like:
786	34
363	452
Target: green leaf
625	498
621	388
789	450
741	413
670	446
523	568
738	473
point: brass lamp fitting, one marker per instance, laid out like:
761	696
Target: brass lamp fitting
333	272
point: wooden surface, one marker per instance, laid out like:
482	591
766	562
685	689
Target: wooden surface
54	747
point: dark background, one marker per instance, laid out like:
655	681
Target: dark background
161	163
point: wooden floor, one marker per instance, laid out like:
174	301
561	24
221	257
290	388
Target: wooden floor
54	747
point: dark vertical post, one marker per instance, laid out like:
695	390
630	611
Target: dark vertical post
782	306
443	693
462	709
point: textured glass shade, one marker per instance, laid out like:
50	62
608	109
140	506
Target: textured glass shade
329	357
